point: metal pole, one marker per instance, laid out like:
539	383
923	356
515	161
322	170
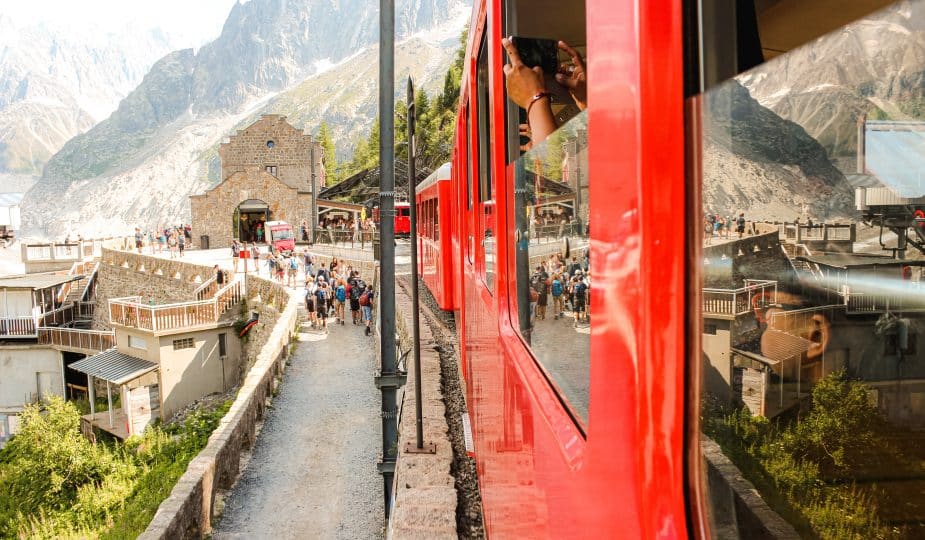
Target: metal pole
314	194
415	305
389	378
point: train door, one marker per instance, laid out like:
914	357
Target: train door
486	251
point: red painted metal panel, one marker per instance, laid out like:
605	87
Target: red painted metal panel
621	475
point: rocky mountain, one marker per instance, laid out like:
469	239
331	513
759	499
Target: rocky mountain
58	82
757	162
266	46
875	66
160	146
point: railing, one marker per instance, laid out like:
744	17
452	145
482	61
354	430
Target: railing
73	338
130	312
59	317
17	327
206	290
798	232
346	236
735	302
71	251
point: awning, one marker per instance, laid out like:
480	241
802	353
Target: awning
37	281
113	366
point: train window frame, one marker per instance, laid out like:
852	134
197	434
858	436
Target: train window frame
486	220
563	386
714	56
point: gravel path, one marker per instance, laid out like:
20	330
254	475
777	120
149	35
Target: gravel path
313	470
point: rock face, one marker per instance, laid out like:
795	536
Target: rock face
758	163
57	83
266	46
875	66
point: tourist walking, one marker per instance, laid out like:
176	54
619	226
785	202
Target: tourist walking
321	303
366	303
292	270
740	224
181	243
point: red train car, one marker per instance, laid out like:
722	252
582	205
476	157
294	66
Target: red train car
435	214
578	267
402	218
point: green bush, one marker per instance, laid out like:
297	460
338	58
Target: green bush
805	468
56	484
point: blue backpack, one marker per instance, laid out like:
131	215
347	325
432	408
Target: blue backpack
556	287
341	293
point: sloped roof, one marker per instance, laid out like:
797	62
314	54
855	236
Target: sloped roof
113	366
37	281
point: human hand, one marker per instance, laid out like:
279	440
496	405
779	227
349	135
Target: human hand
522	82
574	76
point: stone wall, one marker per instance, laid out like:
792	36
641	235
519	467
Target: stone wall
726	265
269	299
213	211
271	141
188	511
162	281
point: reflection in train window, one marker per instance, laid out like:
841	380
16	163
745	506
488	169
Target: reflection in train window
812	254
552	289
486	191
553	282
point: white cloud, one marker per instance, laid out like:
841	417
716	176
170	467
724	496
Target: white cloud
195	21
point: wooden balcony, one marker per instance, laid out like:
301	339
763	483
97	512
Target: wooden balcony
731	303
131	312
77	340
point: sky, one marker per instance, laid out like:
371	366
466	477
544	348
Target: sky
196	21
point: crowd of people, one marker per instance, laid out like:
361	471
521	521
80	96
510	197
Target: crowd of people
172	238
329	288
568	286
716	225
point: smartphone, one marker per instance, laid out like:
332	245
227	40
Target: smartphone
538	52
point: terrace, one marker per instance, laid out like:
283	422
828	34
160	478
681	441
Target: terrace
131	312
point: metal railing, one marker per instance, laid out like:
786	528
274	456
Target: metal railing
355	239
73	338
735	302
131	312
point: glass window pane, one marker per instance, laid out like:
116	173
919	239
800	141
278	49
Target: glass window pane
812	264
553	280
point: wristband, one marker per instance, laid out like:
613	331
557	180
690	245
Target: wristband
533	100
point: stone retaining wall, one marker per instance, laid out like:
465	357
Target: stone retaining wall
163	281
425	493
739	511
188	511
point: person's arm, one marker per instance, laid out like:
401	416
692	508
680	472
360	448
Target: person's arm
526	88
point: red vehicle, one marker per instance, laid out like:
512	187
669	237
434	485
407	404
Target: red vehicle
585	422
435	213
402	218
279	235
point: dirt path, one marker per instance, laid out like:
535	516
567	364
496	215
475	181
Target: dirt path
313	471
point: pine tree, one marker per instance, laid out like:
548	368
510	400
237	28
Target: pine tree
330	155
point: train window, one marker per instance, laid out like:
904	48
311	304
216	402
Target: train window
486	203
551	289
545	33
809	251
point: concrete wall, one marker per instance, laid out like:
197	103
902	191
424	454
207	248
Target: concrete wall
162	281
425	492
22	367
189	374
15	303
213	211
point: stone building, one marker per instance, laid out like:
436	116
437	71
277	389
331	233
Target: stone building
267	171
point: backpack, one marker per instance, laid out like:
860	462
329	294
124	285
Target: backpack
579	291
364	298
538	284
356	291
341	293
293	264
556	287
319	294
